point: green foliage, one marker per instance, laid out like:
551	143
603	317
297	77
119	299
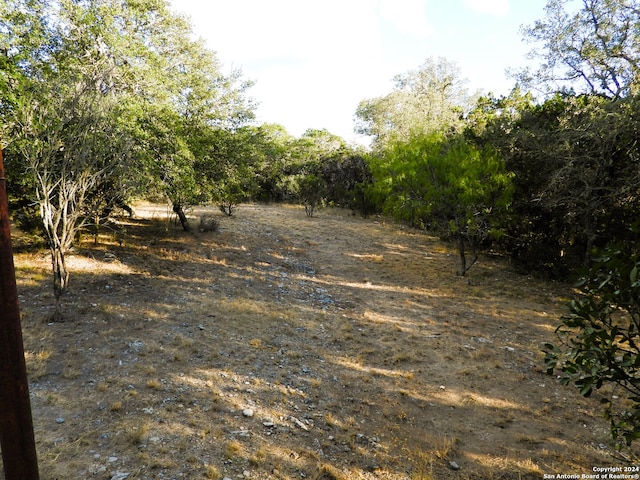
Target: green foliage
446	185
348	178
575	162
593	49
99	98
273	152
319	168
432	98
600	340
311	190
234	188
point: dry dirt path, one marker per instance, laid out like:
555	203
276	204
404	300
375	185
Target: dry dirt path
287	347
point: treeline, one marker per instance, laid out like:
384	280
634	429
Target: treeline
547	182
549	173
104	101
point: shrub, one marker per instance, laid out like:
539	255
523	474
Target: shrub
208	224
600	340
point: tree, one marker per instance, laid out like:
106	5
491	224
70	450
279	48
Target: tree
600	339
169	162
70	143
575	162
431	98
595	49
302	177
348	179
311	190
62	117
188	100
236	157
107	94
272	145
445	185
315	144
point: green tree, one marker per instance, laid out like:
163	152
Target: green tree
573	160
189	101
302	178
231	172
348	179
62	118
273	148
594	49
68	155
107	95
445	185
600	339
168	161
432	98
311	190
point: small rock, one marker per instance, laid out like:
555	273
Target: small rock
481	340
137	345
299	423
112	459
454	465
120	476
59	420
247	412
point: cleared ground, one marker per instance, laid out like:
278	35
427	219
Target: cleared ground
287	347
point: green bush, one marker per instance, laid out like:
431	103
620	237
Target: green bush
600	340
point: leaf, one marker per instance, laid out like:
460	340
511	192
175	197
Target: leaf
586	390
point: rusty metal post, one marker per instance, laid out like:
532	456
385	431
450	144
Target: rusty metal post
16	424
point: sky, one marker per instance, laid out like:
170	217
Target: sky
313	61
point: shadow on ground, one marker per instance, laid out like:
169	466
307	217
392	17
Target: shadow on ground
285	347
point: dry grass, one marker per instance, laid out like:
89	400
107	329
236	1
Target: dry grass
286	347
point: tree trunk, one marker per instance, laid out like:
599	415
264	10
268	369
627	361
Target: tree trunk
463	257
177	209
60	278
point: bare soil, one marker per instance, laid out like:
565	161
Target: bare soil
287	347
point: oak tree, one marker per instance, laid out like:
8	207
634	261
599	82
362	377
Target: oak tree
592	49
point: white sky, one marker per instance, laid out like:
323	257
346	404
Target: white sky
313	61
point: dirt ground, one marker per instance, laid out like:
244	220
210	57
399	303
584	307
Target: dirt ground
287	347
